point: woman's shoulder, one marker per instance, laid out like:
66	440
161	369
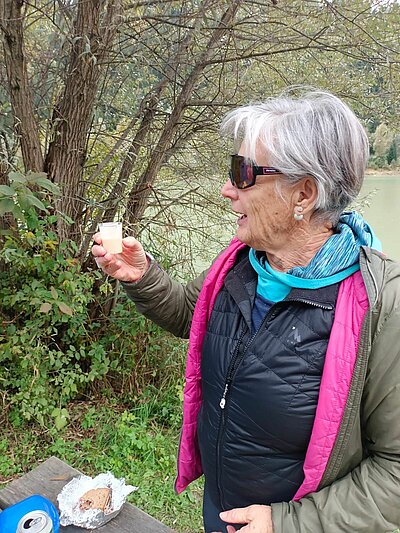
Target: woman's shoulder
381	268
381	275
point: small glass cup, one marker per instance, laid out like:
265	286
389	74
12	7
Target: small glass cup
111	235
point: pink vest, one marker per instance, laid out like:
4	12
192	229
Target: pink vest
351	306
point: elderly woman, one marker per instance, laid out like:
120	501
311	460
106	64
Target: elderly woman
293	375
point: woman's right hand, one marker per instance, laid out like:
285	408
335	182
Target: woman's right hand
128	266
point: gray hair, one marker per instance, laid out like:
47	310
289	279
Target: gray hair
315	135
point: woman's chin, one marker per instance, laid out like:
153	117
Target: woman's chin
243	236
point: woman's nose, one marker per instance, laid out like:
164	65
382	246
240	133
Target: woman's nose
229	191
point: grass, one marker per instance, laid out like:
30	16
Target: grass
103	436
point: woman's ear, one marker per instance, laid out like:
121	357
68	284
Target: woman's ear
307	194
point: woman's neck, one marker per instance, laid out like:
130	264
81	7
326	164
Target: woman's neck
300	248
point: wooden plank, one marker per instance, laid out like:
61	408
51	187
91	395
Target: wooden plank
49	478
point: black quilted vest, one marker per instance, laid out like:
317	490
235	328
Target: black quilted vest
260	391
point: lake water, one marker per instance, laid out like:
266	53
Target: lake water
383	212
379	202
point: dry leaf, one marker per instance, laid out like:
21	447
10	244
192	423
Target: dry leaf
54	293
64	308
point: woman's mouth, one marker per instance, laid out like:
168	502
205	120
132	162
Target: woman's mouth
241	219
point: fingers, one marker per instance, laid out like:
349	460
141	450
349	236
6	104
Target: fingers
105	260
257	517
239	515
231	529
102	258
132	245
98	251
130	265
130	242
97	238
108	263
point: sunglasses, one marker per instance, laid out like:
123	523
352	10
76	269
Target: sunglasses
243	173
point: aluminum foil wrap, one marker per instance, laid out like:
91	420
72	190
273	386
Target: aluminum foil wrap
68	500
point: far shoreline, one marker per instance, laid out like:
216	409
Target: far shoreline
382	172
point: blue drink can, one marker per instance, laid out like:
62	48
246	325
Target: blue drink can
35	522
35	514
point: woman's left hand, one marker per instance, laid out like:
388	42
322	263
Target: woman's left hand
258	519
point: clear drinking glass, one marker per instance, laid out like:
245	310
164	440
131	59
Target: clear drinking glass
111	235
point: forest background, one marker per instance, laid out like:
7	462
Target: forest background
110	109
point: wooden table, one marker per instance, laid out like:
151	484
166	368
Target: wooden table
49	478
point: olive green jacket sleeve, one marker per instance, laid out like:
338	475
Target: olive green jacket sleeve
164	301
367	498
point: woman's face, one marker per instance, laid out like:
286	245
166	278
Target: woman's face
266	219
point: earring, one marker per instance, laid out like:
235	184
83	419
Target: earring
297	213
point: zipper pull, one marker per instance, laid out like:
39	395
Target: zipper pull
223	400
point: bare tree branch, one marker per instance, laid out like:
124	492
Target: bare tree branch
137	202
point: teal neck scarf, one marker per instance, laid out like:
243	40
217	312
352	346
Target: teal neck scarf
335	260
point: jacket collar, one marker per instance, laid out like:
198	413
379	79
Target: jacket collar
374	266
241	284
324	297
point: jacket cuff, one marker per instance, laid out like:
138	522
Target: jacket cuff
278	510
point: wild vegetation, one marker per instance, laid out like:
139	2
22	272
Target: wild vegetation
109	109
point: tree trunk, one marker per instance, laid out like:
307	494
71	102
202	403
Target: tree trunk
11	23
94	32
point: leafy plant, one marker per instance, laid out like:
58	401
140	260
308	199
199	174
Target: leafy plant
24	192
51	349
47	349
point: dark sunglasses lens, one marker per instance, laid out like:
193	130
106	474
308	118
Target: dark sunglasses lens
241	173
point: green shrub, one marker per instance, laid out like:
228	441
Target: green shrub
25	195
377	162
48	349
392	153
52	350
142	355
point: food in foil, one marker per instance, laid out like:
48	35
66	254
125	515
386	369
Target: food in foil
96	499
92	502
